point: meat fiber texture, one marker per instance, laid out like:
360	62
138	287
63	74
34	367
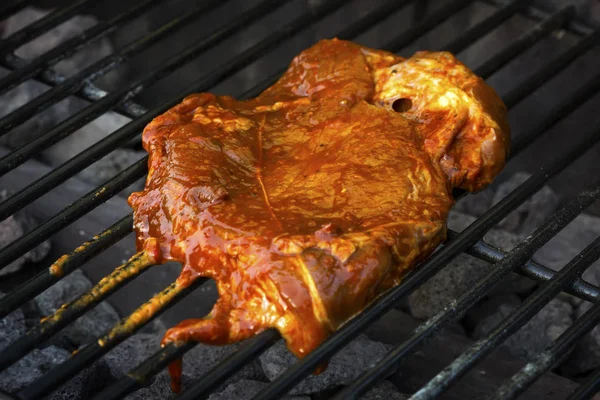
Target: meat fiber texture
309	201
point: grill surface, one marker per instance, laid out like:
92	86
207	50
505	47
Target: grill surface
286	32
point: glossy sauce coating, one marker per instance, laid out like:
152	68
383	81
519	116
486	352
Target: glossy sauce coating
307	202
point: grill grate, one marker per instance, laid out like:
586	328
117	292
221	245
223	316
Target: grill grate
469	241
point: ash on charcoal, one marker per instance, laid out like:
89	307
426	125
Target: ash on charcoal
585	357
344	367
29	90
246	390
533	212
537	334
196	363
569	242
31	367
131	353
464	271
90	325
85	384
14	227
159	389
11	327
110	165
203	358
385	391
476	204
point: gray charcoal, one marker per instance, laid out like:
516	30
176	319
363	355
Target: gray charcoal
31	367
569	242
464	271
196	362
452	281
203	358
131	353
109	166
533	212
89	326
11	327
84	385
245	390
475	204
490	311
344	367
586	354
545	327
385	391
160	389
14	227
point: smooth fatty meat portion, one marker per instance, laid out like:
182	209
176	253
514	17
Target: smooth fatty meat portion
306	203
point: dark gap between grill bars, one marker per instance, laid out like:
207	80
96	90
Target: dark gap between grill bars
549	29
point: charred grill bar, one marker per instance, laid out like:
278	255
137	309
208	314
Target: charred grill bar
469	240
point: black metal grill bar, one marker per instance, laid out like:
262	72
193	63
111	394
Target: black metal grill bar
574	25
38	27
64	266
150	367
551	69
565	108
12	8
71	46
510	325
89	92
518	256
74	309
482	28
125	328
527	40
587	389
372	18
533	270
436	18
99	68
74	211
425	271
519	382
69	126
122	135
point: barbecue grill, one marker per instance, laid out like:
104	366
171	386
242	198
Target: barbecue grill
121	100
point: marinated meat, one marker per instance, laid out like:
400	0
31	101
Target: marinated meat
306	203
